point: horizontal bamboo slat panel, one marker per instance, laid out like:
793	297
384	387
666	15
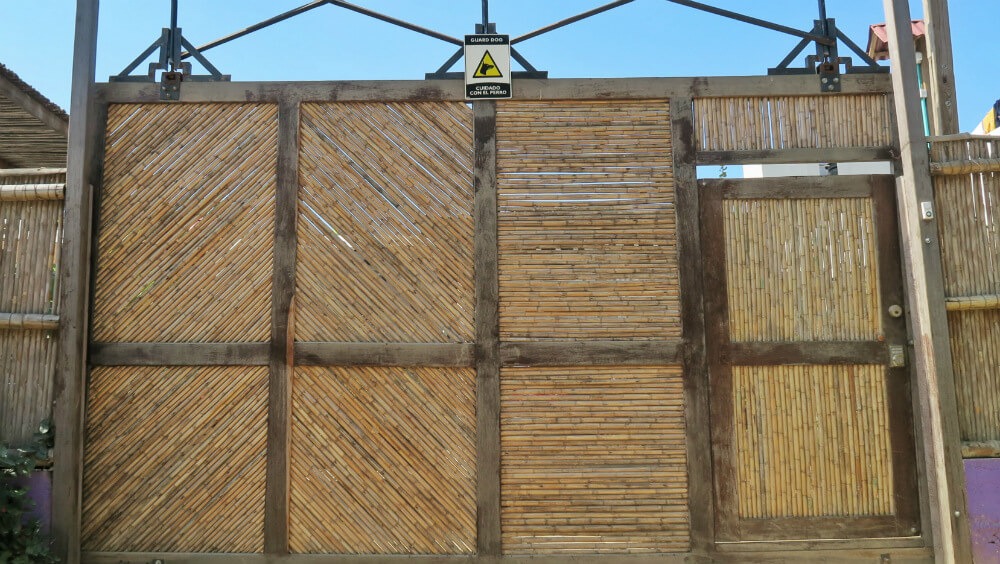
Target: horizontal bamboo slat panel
383	461
802	270
975	352
587	227
593	460
812	441
27	361
385	223
174	459
792	122
186	223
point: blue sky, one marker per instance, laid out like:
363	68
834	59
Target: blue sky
644	38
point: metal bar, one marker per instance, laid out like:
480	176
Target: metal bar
754	21
486	15
397	22
822	18
521	60
138	60
793	53
174	49
201	59
257	27
451	61
857	50
568	21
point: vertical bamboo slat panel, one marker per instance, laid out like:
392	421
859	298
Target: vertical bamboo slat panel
30	233
593	460
967	211
802	270
587	229
186	222
792	122
383	461
174	459
812	441
385	223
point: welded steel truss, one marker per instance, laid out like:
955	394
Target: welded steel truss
826	62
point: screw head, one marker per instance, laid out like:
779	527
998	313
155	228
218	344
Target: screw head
927	240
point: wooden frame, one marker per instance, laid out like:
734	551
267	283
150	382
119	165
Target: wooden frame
697	206
725	354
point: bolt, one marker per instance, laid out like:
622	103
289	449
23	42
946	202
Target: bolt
914	531
836	79
824	81
830	88
947	103
928	214
927	240
958	514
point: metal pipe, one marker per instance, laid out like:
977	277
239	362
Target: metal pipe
486	16
397	22
174	47
755	21
256	27
567	21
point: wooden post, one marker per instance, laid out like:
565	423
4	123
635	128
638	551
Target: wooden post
487	330
931	354
74	276
941	82
282	331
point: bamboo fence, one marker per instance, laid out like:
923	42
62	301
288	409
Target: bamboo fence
385	223
812	441
587	227
802	270
967	201
593	460
186	223
383	461
792	122
174	459
30	235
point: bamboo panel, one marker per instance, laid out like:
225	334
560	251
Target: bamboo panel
975	351
587	227
812	441
385	223
967	210
802	270
27	361
383	461
174	459
593	460
30	233
792	122
186	223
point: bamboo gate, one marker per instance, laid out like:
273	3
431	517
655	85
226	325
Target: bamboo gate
348	319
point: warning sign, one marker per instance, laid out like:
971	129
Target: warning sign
487	67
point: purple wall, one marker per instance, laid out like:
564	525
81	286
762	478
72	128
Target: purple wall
39	486
982	477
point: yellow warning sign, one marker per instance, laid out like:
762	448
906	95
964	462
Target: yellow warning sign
487	67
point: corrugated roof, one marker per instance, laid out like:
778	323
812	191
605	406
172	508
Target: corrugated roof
33	129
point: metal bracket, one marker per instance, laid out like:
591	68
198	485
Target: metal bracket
827	62
897	356
170	61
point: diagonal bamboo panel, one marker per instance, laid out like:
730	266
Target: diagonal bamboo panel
383	461
594	460
587	226
385	223
792	122
186	222
967	207
174	459
802	270
812	441
30	234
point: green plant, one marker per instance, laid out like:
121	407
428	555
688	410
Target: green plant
21	539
